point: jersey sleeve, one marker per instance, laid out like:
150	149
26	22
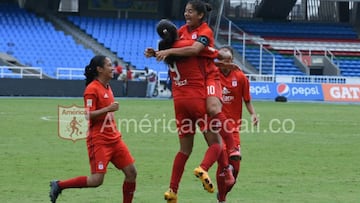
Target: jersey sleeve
90	99
246	88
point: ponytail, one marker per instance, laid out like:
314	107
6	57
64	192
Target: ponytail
91	69
168	32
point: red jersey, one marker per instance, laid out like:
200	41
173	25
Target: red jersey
188	74
102	129
236	89
118	69
129	75
203	30
204	35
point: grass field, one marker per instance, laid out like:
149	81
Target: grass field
301	152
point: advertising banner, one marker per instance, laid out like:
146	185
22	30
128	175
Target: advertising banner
265	90
262	90
341	92
309	92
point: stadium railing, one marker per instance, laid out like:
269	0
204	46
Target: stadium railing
70	73
20	72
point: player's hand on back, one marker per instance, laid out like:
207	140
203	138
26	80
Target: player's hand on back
149	52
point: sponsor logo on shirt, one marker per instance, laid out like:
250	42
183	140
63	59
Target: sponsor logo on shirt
227	98
180	82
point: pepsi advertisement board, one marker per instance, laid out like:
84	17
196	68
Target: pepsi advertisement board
262	90
292	91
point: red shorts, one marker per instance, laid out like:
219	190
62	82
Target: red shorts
188	114
213	84
116	153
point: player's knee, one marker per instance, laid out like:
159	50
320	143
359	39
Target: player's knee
130	173
213	108
187	152
96	181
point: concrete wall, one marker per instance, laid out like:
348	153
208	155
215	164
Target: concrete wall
63	88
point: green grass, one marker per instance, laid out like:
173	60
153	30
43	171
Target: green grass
316	162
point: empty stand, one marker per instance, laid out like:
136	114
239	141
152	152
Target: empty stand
299	29
283	37
35	42
283	65
126	37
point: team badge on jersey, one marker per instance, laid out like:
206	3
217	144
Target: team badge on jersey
234	82
72	123
194	36
100	166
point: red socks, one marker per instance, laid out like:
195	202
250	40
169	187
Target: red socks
222	187
224	128
178	170
81	181
211	156
77	182
128	191
236	166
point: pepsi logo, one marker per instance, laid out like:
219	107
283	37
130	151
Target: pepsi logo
283	89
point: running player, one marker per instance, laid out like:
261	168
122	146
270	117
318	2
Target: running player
235	91
104	141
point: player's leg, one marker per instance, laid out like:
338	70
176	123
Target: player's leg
218	121
186	145
98	163
211	156
124	161
129	184
57	186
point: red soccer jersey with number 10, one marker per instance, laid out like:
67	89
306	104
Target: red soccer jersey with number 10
102	130
188	75
235	91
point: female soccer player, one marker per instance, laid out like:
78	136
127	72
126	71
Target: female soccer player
188	83
198	30
235	91
104	141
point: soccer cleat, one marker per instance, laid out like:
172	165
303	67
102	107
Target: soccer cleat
229	177
234	154
205	179
170	196
55	190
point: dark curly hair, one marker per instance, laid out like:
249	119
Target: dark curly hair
168	33
90	70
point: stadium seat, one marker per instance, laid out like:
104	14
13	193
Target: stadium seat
36	42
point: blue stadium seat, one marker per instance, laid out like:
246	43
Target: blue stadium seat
36	42
126	37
